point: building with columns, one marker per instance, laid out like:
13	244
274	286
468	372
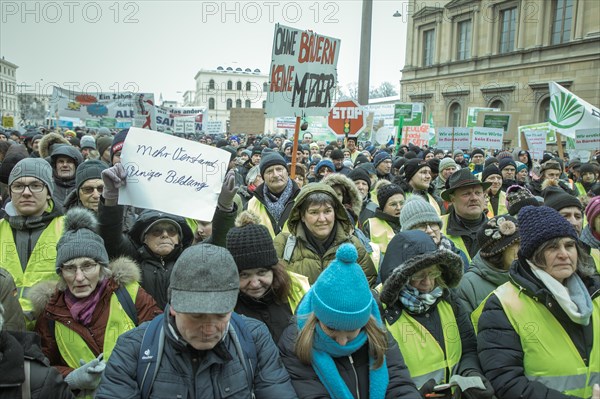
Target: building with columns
224	88
499	54
9	104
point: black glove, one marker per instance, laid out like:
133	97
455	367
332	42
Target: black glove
475	393
428	388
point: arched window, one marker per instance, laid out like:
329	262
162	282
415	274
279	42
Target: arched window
248	104
229	85
211	84
248	86
238	103
497	104
229	103
454	115
543	110
265	86
238	85
211	103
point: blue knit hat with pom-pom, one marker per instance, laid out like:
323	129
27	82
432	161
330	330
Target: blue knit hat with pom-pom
341	297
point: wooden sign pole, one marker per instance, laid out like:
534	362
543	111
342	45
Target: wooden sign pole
295	147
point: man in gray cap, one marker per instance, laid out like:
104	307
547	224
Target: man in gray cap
31	228
64	161
208	351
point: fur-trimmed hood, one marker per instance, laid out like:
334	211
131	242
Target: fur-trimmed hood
124	271
355	197
414	251
48	141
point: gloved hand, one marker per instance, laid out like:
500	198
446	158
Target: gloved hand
427	388
113	178
87	377
228	191
475	393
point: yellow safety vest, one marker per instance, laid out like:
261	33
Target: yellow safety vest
457	240
580	188
258	208
40	267
550	357
299	287
596	256
501	205
381	233
431	201
72	347
423	355
476	314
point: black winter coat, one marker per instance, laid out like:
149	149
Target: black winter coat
156	270
307	383
45	381
276	316
499	346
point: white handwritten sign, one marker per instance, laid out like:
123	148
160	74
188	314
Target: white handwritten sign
487	137
536	140
171	174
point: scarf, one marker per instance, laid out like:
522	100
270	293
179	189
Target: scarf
325	349
320	246
275	205
417	302
82	308
572	297
589	237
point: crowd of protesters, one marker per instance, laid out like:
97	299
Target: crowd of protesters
377	271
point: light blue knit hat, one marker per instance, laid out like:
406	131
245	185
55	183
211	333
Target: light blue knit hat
341	297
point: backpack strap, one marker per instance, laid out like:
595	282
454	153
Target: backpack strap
150	355
127	302
290	244
26	386
242	337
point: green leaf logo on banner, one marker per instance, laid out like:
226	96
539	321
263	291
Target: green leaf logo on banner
567	111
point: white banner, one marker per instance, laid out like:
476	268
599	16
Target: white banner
213	127
166	117
487	137
303	74
171	174
453	138
569	113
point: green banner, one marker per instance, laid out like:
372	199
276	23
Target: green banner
411	112
92	123
108	122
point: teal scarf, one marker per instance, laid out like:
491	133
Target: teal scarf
326	349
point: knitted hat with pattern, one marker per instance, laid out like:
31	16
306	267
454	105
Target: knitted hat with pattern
592	210
497	234
447	163
517	197
540	224
250	243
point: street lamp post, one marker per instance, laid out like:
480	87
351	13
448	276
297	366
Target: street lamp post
364	67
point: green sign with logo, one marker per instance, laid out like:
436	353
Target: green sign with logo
412	113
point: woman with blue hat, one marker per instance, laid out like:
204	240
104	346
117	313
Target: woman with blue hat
338	348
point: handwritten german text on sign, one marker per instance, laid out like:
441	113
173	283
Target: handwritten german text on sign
453	137
171	174
536	140
487	137
303	75
417	135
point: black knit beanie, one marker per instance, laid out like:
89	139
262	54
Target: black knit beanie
557	198
251	244
412	167
360	174
490	170
271	159
385	192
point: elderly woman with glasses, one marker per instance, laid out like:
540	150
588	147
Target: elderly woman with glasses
88	186
81	316
418	214
539	333
435	336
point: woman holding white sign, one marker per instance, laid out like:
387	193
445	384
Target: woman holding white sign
156	239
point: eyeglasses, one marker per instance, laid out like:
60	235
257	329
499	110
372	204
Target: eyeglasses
157	231
86	269
89	190
35	187
395	204
427	225
423	276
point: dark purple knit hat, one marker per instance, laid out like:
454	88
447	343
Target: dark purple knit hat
540	224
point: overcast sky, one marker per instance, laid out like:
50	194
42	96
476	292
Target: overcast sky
159	46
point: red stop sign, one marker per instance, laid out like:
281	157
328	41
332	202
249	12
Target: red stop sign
346	117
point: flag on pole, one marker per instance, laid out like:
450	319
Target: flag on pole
432	140
569	113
